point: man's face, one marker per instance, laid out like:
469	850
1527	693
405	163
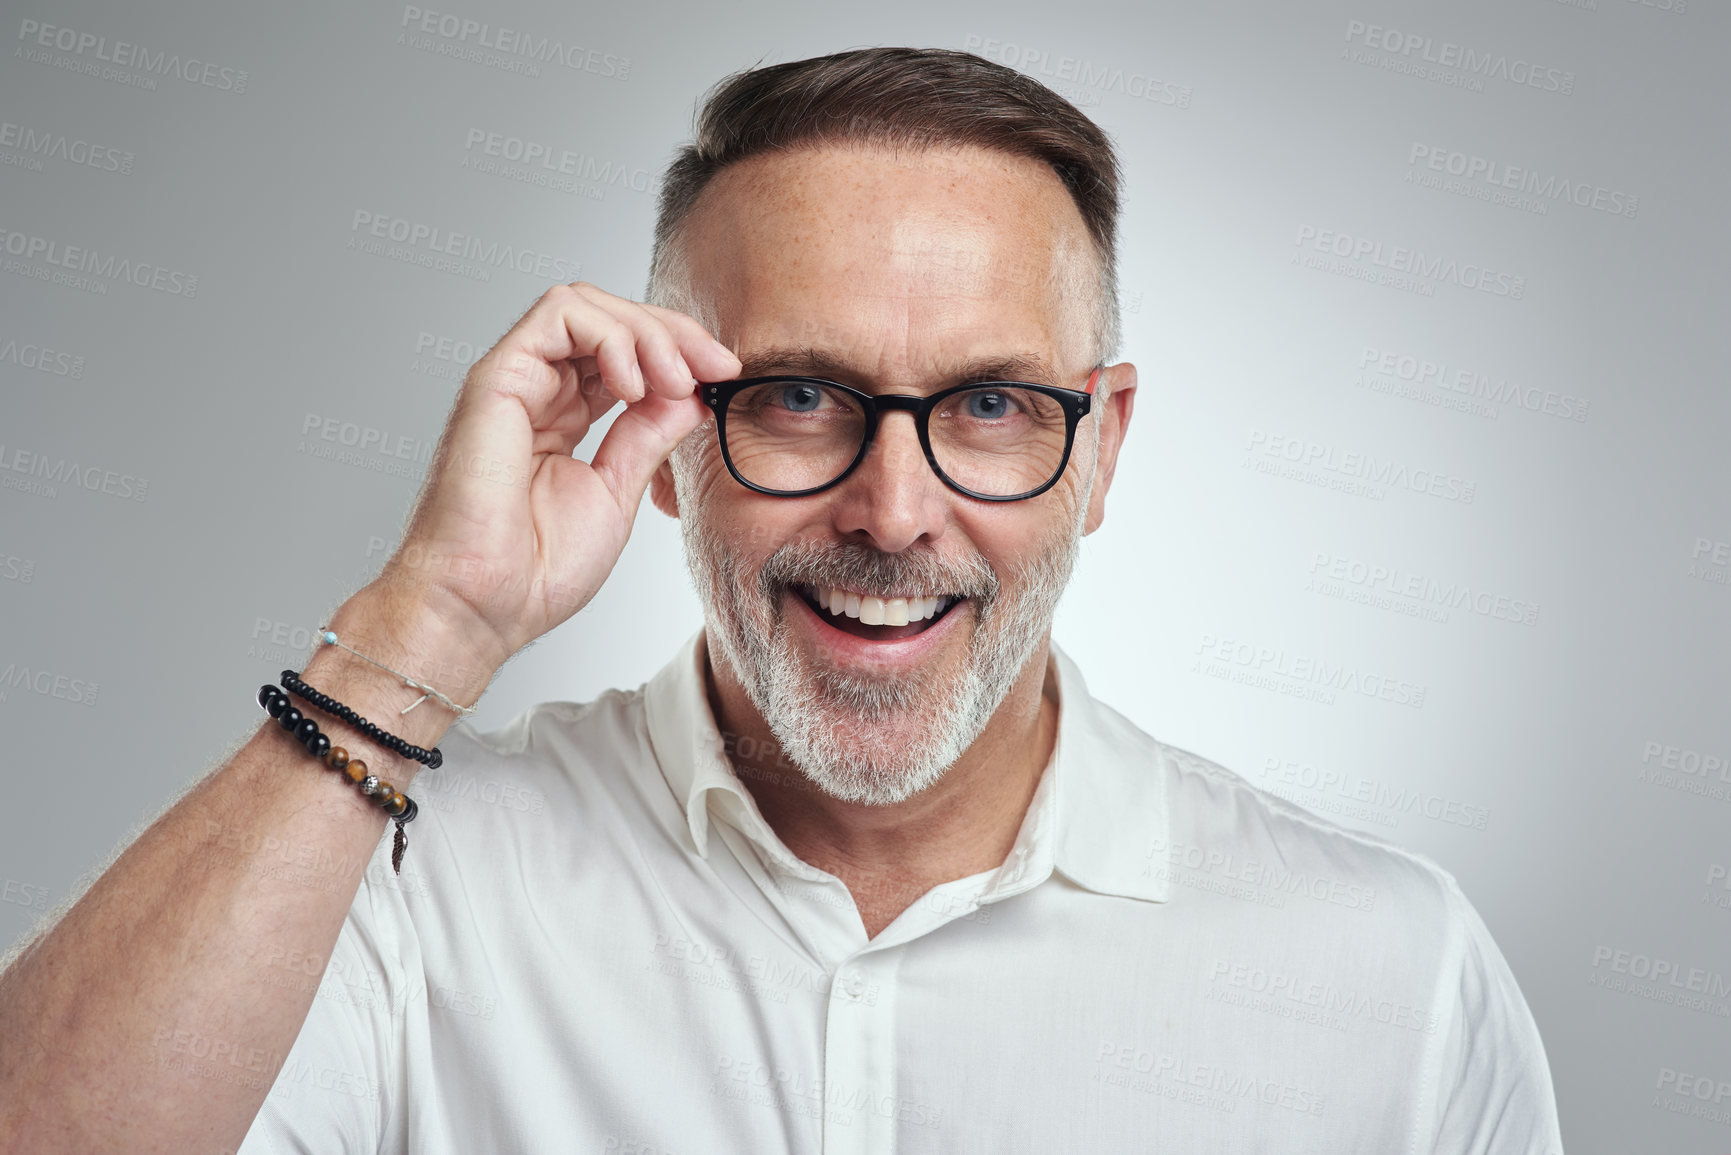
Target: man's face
891	273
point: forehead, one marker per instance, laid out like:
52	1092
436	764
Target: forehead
898	262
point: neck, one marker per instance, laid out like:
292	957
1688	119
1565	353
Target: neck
888	856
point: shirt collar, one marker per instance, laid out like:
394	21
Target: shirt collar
1098	815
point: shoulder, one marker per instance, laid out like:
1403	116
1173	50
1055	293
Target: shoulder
1222	828
546	727
554	759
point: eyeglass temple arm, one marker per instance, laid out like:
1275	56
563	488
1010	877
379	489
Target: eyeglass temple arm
1092	377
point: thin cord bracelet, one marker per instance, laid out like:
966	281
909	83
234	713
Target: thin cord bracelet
328	637
292	682
399	806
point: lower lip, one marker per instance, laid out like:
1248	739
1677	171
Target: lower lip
852	650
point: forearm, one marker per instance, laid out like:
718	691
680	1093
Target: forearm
177	962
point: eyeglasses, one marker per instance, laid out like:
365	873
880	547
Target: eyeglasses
991	440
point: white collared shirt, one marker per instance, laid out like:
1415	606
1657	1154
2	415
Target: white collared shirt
598	945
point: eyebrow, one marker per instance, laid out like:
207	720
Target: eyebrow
809	361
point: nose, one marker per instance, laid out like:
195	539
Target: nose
893	497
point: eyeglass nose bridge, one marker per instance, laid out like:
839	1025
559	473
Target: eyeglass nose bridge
882	403
890	402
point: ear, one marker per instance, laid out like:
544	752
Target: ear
662	492
1114	423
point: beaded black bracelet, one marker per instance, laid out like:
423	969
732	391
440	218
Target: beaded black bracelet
292	682
399	806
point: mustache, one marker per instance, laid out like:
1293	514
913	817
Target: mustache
872	571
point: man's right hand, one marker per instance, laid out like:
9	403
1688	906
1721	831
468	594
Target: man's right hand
511	534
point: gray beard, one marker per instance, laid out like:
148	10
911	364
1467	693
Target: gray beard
832	724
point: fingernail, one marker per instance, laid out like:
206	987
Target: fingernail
685	370
637	378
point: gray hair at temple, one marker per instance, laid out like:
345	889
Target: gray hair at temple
901	98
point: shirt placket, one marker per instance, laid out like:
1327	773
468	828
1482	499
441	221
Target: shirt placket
861	1105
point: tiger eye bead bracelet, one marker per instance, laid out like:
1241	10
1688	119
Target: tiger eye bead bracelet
393	802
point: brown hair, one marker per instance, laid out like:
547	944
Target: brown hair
899	98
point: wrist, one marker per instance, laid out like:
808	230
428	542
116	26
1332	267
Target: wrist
406	636
445	643
431	616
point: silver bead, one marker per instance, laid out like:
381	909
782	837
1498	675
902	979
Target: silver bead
370	784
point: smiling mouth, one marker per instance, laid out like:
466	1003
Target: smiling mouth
875	618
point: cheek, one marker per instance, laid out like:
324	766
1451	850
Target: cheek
1015	535
750	525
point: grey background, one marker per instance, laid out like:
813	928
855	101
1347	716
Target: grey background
134	629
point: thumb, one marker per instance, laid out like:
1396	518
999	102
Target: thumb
639	440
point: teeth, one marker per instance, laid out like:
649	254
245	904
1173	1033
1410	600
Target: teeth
876	611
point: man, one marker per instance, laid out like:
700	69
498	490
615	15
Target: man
864	868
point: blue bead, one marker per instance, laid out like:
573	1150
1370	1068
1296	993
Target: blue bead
329	637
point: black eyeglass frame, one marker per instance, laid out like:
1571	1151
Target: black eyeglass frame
1075	403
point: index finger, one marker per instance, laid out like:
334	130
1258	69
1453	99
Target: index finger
703	351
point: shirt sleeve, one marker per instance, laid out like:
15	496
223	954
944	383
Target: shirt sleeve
342	1077
1493	1091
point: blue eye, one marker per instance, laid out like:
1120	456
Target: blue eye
988	405
800	398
